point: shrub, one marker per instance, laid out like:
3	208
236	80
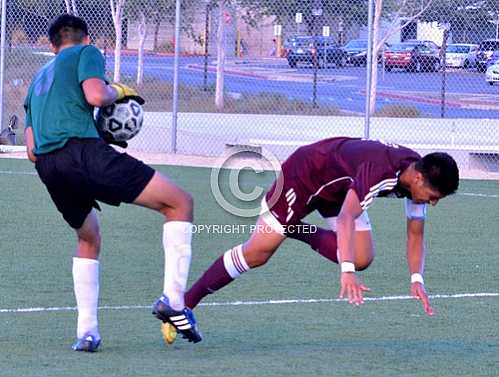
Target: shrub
398	111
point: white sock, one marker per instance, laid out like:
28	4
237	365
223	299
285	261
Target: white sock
86	287
234	262
177	236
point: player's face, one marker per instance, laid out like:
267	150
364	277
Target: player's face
422	193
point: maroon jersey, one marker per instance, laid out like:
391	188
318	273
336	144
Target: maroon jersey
318	176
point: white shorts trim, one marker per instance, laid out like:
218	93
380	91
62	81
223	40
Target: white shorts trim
362	222
268	217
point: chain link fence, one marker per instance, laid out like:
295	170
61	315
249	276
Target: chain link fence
279	74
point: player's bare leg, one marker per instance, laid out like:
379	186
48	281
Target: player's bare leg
253	253
176	206
324	242
363	249
164	196
86	284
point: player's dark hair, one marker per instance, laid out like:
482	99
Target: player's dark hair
67	28
440	171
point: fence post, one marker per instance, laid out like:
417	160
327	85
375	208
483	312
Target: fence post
175	79
2	59
369	64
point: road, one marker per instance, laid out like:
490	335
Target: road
467	94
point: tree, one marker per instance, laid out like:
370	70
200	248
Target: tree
142	31
140	11
35	17
158	11
348	12
164	11
219	90
469	20
396	11
117	14
71	7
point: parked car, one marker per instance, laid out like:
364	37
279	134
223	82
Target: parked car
325	50
494	58
413	57
356	51
427	43
461	55
492	74
485	51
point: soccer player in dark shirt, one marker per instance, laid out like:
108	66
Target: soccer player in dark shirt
340	178
79	168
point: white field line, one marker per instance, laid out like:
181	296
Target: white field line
252	303
10	172
478	195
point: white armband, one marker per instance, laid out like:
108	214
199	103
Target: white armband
347	267
415	211
417	278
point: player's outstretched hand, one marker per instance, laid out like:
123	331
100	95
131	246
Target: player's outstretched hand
419	293
124	91
352	289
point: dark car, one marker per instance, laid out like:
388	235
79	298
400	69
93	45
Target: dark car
305	50
485	52
413	57
356	51
427	43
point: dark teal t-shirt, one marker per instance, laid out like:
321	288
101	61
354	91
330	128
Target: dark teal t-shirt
55	106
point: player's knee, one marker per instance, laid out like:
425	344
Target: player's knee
89	245
185	206
364	261
181	208
94	240
188	202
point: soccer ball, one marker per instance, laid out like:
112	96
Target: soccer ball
120	121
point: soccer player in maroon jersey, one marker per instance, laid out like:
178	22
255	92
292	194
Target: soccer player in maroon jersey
340	178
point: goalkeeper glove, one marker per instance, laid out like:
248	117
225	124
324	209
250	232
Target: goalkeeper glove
124	91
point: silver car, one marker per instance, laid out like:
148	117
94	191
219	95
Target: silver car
492	74
461	55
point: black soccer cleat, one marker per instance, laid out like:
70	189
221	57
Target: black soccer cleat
86	344
183	320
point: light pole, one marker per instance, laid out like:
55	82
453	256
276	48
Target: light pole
341	35
2	58
369	57
176	63
443	63
206	40
316	12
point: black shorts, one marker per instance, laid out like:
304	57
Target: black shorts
87	170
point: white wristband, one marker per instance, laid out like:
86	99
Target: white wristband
417	278
347	267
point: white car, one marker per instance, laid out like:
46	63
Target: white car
461	55
492	74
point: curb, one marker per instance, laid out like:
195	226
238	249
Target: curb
434	101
